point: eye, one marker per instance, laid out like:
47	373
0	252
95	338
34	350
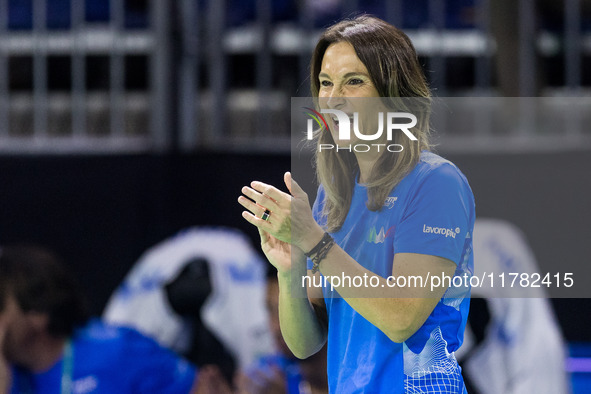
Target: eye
355	81
325	83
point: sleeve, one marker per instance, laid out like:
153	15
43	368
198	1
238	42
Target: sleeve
439	215
156	369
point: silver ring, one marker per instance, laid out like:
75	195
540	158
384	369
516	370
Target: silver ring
266	215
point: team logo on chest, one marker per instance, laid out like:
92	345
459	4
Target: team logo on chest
376	237
390	201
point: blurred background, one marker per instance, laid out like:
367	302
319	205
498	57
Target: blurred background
122	122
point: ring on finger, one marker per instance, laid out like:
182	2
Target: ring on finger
266	215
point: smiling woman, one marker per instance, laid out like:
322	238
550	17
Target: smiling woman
343	76
364	234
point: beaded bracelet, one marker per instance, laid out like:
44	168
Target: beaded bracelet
325	239
319	252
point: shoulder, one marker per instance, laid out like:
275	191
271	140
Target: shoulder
432	165
110	347
435	172
105	339
112	353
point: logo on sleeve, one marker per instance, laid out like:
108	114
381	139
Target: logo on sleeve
446	232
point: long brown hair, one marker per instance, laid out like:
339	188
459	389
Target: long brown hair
393	66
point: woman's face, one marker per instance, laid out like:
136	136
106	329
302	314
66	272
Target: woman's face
343	78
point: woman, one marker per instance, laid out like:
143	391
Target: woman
378	214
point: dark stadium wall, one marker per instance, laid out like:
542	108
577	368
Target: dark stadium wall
102	212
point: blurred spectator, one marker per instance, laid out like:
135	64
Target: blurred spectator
282	372
200	293
48	347
512	345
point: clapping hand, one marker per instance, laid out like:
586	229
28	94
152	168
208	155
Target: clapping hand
283	219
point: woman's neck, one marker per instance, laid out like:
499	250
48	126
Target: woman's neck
366	163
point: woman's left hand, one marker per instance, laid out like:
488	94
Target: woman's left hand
290	216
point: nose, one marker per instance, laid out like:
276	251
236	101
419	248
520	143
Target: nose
335	100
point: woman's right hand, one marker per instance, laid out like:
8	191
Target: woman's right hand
279	253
